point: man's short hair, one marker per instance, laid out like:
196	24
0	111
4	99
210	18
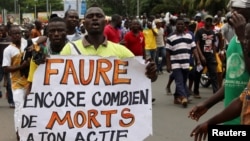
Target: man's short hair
115	17
53	15
67	12
95	5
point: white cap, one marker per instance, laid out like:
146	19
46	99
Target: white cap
198	15
158	21
239	3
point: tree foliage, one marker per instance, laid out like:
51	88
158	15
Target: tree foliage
212	6
123	7
152	7
28	6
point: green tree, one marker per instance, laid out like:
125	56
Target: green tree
110	6
172	6
8	5
28	6
212	6
41	5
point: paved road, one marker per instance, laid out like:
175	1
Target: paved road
170	122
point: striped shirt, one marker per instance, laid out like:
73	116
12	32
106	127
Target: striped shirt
180	48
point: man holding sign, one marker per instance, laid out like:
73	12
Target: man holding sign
93	95
95	43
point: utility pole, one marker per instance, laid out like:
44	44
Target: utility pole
19	13
47	7
138	8
77	9
15	6
35	9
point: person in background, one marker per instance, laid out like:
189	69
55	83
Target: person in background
57	39
217	24
12	63
113	30
205	42
5	40
45	27
170	28
36	31
239	68
180	46
27	31
199	22
219	17
150	40
71	18
191	74
227	30
125	29
161	50
192	61
134	39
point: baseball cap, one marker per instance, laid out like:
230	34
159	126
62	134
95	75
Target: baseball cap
208	17
198	15
158	20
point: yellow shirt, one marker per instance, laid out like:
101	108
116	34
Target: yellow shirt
150	39
106	49
33	67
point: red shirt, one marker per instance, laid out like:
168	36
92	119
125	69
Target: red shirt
112	34
135	43
200	24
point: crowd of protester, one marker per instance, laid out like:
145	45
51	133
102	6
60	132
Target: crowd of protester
186	47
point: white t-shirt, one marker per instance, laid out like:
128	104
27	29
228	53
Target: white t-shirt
160	38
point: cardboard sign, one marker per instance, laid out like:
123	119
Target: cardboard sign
86	98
